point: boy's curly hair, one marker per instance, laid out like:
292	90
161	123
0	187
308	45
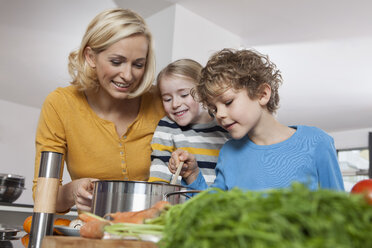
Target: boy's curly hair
238	69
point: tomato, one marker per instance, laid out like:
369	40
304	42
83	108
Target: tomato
363	187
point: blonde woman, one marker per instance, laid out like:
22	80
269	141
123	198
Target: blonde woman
104	121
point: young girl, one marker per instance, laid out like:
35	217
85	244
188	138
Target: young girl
188	126
241	89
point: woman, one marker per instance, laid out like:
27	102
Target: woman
104	122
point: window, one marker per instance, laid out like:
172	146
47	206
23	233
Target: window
354	164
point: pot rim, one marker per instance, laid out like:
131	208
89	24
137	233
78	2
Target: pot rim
9	176
145	182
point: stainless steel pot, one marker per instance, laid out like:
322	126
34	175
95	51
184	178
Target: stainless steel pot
11	187
122	196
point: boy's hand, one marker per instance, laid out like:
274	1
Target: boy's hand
190	169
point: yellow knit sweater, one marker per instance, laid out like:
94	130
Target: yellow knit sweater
91	145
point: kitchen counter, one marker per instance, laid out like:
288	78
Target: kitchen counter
14	214
78	242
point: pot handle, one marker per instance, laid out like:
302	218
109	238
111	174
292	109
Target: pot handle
183	192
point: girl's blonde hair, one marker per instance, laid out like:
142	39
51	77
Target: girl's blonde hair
181	68
105	29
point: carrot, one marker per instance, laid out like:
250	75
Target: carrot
93	229
87	217
121	216
135	217
161	205
94	225
138	217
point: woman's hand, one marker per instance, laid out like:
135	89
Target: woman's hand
83	193
190	169
79	192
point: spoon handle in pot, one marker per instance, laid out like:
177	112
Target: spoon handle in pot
175	176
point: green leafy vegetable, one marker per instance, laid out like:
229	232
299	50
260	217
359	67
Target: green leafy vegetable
284	218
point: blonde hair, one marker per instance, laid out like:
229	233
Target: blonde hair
105	29
181	68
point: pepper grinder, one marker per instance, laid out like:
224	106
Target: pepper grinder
45	197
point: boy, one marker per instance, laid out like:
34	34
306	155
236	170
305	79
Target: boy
241	89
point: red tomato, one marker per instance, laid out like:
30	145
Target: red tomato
364	187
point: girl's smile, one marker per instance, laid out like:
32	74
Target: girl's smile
178	103
181	113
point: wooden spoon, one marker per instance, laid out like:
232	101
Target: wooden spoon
175	176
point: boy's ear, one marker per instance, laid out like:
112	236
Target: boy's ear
90	57
265	94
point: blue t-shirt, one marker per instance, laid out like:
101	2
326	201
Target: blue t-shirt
308	156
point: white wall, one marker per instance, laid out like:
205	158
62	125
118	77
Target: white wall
17	144
197	38
311	57
161	25
351	139
179	33
332	68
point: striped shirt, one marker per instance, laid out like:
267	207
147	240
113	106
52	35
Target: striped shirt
202	140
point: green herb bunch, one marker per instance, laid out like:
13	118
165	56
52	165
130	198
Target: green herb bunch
288	218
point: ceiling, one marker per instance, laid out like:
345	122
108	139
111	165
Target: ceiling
262	22
327	85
